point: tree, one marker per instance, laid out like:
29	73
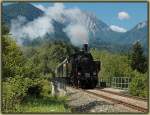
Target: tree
5	29
139	84
138	60
12	56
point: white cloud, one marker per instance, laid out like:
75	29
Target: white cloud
55	12
37	28
41	7
123	15
117	28
76	28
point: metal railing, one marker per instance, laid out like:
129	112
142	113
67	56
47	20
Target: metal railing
117	82
121	82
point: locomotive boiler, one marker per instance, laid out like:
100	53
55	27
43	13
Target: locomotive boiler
79	69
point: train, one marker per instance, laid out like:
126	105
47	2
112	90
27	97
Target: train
80	69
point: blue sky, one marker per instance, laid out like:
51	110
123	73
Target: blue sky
121	15
132	13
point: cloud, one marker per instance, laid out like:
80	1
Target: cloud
41	7
117	28
123	15
56	12
37	28
74	19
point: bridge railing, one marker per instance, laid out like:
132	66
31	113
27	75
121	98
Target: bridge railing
117	82
121	82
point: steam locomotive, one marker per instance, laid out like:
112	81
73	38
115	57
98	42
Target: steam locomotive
79	69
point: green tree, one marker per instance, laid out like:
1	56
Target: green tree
139	84
14	85
5	29
138	60
12	56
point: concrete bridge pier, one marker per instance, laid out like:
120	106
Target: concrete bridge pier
58	87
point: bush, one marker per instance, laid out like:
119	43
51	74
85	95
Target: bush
12	58
34	91
16	89
139	85
13	91
46	87
39	88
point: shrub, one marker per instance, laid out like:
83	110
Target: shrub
40	87
34	91
16	89
139	84
46	87
13	91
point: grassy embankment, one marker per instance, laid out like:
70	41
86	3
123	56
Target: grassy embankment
43	105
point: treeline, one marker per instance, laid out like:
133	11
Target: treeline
27	71
133	65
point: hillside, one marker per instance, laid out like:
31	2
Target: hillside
139	32
27	10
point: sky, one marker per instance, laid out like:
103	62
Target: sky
119	16
123	16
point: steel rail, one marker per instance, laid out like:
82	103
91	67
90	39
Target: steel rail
141	109
123	95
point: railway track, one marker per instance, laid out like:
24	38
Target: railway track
128	101
124	95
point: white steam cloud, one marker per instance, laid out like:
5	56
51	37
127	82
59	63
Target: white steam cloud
74	19
77	33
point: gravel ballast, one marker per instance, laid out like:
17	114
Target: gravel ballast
82	102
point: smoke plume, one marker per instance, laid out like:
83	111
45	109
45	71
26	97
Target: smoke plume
78	34
74	19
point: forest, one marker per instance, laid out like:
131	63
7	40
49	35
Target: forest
28	70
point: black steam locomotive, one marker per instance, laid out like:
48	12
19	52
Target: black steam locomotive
80	70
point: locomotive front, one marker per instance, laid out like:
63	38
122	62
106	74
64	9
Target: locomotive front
87	69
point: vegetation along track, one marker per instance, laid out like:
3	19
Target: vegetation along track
139	105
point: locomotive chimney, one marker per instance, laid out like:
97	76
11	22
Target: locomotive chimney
85	47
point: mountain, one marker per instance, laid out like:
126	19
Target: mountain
100	31
27	10
137	33
101	36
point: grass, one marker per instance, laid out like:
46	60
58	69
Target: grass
43	105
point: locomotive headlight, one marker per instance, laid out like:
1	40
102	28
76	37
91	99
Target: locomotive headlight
79	73
94	73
